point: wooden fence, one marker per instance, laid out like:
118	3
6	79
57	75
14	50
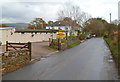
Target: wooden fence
18	46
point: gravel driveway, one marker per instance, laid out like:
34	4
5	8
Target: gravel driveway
38	49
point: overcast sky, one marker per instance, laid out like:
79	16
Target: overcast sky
21	11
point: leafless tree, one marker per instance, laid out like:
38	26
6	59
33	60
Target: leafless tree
74	12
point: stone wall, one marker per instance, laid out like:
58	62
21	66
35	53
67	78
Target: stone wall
63	46
13	60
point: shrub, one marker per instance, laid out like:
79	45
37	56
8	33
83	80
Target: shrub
82	36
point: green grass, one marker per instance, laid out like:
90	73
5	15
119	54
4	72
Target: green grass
113	48
74	44
69	45
54	47
50	48
115	52
62	40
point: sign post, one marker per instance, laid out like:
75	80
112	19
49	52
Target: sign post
59	36
59	44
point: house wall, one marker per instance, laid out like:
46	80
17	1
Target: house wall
60	28
4	35
11	36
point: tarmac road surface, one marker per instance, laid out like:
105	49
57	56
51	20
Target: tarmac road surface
87	61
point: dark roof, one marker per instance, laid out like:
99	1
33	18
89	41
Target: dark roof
36	30
59	23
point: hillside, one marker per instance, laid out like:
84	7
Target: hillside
17	25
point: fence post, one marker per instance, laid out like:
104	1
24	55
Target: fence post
6	45
49	42
29	47
59	44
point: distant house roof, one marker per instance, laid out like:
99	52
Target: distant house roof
66	22
59	23
73	23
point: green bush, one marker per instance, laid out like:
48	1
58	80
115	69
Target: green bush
82	36
105	34
54	47
72	37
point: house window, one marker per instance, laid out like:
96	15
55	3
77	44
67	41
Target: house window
22	32
32	35
11	33
60	28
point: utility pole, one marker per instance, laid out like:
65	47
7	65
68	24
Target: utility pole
110	17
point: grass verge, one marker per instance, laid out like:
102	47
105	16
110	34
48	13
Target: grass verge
114	48
51	47
74	44
54	47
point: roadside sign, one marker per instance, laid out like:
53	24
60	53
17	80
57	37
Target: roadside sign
60	34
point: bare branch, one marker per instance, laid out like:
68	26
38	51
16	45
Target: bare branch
74	12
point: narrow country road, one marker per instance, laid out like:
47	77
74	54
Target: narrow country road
87	61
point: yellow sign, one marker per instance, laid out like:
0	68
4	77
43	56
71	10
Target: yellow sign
60	34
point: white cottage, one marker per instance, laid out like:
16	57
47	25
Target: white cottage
60	25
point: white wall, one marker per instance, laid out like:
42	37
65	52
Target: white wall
4	34
61	27
57	27
27	37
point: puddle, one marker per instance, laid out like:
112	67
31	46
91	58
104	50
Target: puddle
110	61
42	58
